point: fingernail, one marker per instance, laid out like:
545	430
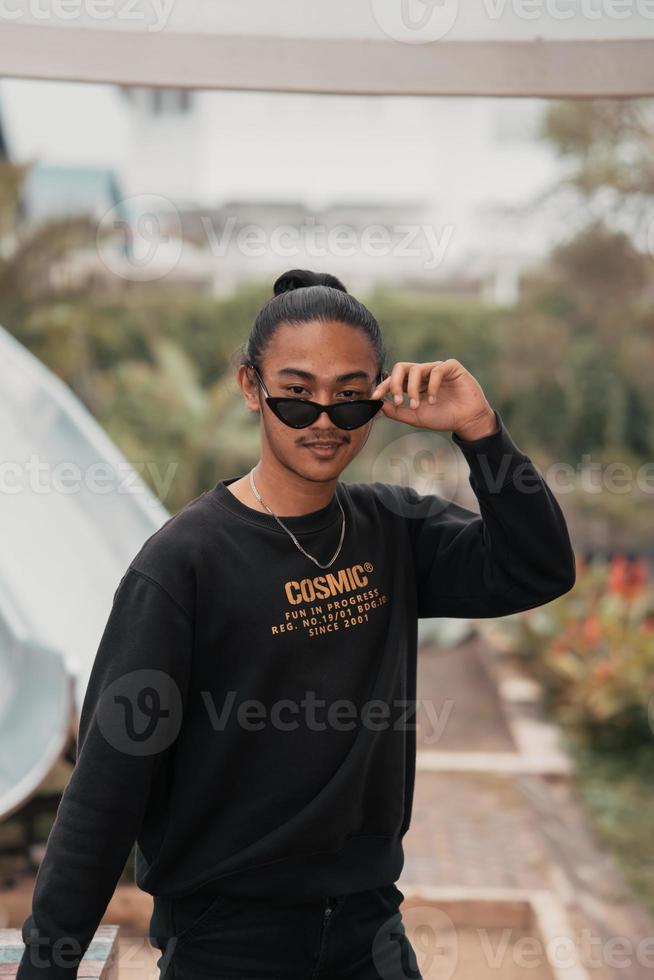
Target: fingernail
431	399
397	398
413	403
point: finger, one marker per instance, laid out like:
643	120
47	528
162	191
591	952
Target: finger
383	393
397	380
434	383
382	387
416	373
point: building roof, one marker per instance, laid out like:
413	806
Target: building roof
53	191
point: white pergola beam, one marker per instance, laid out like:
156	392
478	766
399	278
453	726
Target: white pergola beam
539	68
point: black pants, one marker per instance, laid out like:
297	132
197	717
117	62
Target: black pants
349	937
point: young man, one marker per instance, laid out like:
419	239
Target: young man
250	719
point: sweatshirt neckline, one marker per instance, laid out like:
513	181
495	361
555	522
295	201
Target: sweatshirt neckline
315	520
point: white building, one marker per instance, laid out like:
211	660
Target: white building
383	190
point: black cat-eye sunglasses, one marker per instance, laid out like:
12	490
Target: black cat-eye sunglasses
298	413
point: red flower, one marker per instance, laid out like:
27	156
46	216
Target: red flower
618	575
628	579
638	578
591	630
604	671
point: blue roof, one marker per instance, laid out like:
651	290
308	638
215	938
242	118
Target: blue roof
52	191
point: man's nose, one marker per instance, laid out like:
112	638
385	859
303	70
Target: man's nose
324	424
324	420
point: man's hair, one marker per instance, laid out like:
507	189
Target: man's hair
300	296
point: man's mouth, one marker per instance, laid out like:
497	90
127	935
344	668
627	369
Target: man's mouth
323	449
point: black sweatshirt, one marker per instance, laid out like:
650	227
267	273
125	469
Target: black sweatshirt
250	717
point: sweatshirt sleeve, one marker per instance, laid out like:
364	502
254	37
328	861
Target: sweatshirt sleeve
514	555
131	714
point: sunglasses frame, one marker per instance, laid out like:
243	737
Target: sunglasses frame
273	401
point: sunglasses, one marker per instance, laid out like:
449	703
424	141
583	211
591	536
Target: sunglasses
298	413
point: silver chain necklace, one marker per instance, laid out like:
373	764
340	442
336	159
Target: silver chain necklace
315	560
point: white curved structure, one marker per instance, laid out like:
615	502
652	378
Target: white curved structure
73	513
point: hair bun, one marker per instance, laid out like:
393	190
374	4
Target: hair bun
299	278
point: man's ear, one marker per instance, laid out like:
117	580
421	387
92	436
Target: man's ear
256	408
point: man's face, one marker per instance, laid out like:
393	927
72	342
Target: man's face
304	361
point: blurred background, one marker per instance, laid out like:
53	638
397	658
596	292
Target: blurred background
141	228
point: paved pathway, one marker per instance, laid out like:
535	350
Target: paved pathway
489	830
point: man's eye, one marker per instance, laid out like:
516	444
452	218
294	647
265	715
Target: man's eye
298	389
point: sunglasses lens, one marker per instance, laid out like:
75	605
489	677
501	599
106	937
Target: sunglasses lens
296	413
352	415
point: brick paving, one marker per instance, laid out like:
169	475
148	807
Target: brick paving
459	693
468	828
484	830
472	829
